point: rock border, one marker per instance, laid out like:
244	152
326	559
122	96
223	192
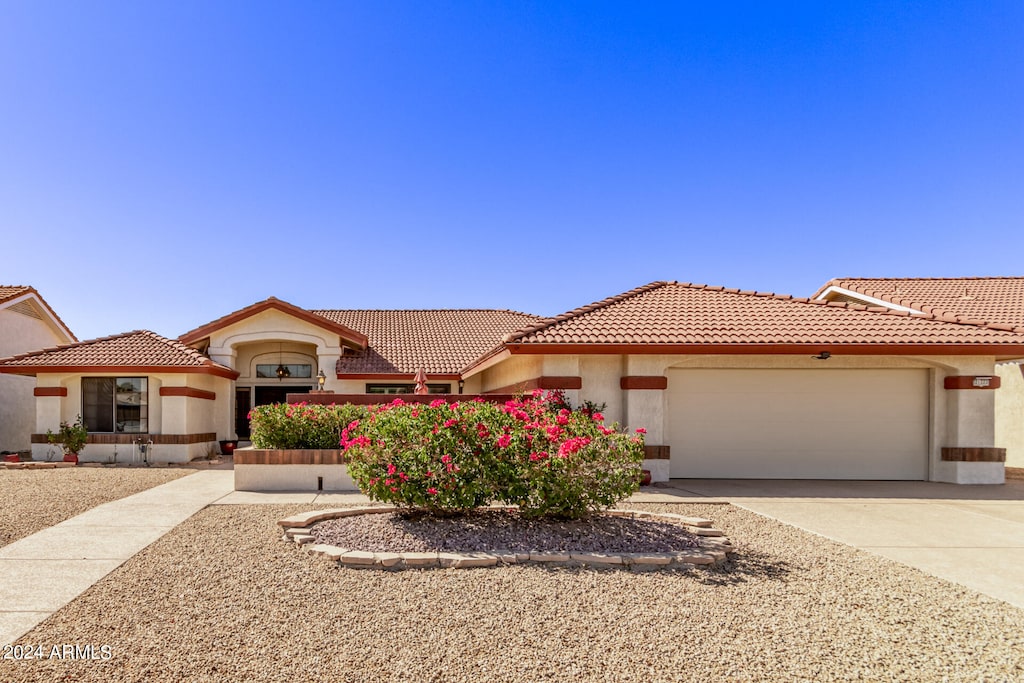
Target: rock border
715	546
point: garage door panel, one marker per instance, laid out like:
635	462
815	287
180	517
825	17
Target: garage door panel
831	424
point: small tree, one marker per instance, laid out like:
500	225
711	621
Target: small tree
70	437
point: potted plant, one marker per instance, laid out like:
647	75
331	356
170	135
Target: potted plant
71	438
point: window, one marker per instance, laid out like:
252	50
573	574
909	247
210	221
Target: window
406	388
294	371
115	404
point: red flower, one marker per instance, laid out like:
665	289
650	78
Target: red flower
504	440
432	491
641	430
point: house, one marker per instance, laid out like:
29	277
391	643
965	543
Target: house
26	322
996	302
727	383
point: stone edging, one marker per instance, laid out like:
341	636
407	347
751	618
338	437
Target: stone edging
714	550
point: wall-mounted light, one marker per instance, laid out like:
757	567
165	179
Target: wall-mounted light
462	385
824	355
321	378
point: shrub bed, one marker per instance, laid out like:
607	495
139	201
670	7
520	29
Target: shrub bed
534	452
300	425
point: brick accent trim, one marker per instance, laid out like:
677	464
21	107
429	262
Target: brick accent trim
50	391
308	456
656	452
188	392
653	382
547	383
972	382
975	454
129	439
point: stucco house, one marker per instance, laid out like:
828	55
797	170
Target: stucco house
26	322
985	301
727	383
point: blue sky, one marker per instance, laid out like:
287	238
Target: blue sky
165	163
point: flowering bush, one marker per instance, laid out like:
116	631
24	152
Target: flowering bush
534	452
301	425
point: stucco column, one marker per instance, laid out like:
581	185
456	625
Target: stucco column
969	454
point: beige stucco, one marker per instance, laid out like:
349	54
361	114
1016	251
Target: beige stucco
25	325
1009	407
168	415
964	418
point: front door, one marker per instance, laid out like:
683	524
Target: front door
242	405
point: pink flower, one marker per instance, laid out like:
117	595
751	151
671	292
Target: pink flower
432	491
446	458
641	430
562	419
598	417
398	402
554	432
415	413
504	440
429	474
450	422
437	403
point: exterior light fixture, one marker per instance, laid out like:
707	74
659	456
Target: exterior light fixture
824	355
281	371
321	378
462	385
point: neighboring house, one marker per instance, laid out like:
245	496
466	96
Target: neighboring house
26	322
726	383
993	302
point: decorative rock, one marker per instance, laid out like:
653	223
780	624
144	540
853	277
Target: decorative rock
467	560
595	558
699	531
357	558
549	557
420	559
659	559
387	559
303	539
694	558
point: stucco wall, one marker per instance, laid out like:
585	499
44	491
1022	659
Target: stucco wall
20	333
1009	406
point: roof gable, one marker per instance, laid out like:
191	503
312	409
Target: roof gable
14	296
138	351
348	336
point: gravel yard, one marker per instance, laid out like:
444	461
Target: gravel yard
222	598
36	499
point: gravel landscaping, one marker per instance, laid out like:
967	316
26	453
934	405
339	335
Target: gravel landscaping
222	598
500	530
35	499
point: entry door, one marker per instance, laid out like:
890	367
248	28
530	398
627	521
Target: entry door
242	404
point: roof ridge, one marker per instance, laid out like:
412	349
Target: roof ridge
421	310
576	312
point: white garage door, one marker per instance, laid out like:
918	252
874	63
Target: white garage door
798	424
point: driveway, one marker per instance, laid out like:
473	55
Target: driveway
970	535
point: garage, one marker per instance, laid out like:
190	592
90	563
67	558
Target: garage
798	424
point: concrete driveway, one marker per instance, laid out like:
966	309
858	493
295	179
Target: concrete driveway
971	535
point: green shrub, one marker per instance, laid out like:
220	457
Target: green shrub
532	452
301	425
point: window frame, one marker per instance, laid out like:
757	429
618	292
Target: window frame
117	411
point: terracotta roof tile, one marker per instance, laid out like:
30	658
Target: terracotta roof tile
11	291
440	341
140	348
992	301
674	313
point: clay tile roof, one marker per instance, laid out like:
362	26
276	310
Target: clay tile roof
992	301
674	313
11	291
8	292
440	341
138	349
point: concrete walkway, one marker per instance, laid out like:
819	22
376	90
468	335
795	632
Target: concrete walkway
47	570
970	535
